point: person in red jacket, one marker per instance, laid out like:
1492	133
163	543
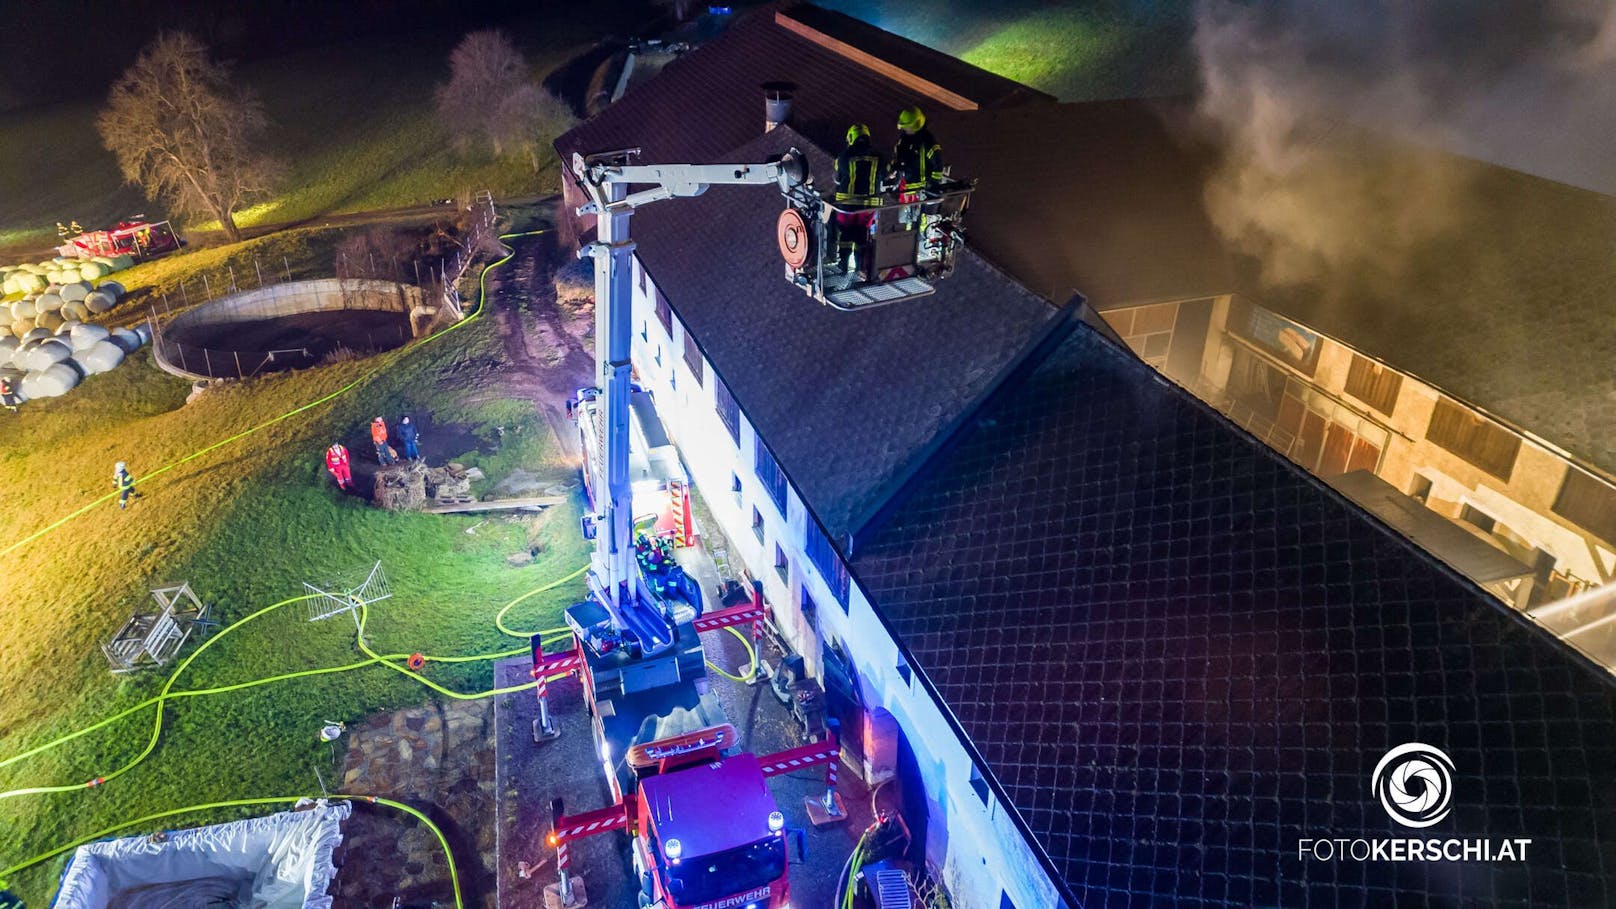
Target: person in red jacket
336	461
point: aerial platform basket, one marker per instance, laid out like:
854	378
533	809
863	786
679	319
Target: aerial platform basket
901	246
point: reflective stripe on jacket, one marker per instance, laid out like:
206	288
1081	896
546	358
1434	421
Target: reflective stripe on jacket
858	174
918	159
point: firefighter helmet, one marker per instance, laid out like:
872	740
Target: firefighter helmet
911	119
856	131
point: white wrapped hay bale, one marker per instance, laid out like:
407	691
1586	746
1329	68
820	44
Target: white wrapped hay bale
45	354
77	312
119	263
112	287
36	333
100	357
99	301
8	346
77	290
50	320
125	339
91	271
52	381
143	330
26	308
86	336
47	303
21	327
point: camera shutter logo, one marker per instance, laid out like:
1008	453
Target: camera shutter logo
1414	783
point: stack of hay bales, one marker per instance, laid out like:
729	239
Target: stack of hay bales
57	304
47	343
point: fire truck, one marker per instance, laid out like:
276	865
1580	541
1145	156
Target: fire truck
139	239
706	830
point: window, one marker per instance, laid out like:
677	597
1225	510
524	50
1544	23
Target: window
1480	441
729	411
757	524
1419	488
825	558
645	331
664	313
1589	503
735	488
774	479
1005	902
1478	519
782	563
1373	384
639	270
904	672
693	357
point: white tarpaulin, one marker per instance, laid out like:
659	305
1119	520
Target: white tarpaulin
278	862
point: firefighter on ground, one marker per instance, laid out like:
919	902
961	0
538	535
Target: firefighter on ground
858	183
8	394
124	483
336	461
917	159
378	434
408	437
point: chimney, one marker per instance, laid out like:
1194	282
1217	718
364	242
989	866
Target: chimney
777	103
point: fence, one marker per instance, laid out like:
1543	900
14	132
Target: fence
450	273
272	294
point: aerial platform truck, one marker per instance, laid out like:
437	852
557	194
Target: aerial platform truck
706	830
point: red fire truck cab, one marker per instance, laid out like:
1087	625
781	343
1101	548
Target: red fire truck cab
711	837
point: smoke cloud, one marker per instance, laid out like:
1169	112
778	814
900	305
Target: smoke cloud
1295	91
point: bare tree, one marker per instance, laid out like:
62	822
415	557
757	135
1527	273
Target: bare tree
490	95
183	133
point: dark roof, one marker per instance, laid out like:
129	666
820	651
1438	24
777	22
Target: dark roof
724	81
1102	198
1508	311
1179	655
846	401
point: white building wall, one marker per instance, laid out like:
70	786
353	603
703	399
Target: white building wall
973	840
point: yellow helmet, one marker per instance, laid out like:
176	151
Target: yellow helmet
911	119
856	131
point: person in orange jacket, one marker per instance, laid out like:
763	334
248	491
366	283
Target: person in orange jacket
378	434
336	461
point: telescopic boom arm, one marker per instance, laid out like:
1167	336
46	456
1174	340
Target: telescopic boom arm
606	178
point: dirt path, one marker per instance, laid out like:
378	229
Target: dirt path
36	250
546	346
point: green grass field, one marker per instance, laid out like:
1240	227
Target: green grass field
246	525
1075	51
354	122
